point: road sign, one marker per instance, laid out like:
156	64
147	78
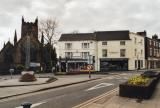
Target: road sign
89	67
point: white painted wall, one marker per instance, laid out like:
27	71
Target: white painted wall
139	46
77	47
113	49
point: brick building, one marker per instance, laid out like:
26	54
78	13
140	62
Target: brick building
152	49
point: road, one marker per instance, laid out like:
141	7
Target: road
67	97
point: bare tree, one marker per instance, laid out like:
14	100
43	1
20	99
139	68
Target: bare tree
50	32
49	29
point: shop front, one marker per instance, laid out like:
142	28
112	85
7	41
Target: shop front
113	64
74	65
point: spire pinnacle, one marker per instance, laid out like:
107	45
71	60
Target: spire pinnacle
36	20
22	19
15	37
42	38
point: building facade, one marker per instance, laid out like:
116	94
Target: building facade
152	55
110	50
74	50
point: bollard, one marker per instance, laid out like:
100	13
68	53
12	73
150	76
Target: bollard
26	105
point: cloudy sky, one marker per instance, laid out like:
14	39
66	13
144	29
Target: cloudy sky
81	15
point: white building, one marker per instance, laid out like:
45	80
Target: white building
111	50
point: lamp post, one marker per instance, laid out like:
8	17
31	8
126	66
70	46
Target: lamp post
89	65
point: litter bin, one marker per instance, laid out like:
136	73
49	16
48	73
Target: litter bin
26	105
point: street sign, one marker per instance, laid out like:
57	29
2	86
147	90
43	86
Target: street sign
89	67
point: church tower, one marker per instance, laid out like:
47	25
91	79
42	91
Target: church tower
29	28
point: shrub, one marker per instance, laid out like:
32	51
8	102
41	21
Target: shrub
27	78
20	67
138	80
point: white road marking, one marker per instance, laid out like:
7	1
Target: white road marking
101	85
110	77
33	105
126	78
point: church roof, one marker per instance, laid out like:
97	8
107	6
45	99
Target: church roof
8	45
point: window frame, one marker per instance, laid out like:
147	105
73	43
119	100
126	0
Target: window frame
122	52
68	44
122	42
105	43
103	53
85	45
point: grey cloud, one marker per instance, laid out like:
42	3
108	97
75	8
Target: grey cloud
83	15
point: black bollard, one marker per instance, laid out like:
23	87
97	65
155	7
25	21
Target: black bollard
26	105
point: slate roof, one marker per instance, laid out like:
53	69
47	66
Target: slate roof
8	45
112	35
99	36
77	37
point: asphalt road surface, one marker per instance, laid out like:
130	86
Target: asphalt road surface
67	97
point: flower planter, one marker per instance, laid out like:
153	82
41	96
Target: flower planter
138	91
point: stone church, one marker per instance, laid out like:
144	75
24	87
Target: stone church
13	55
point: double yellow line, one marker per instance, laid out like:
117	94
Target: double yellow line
85	104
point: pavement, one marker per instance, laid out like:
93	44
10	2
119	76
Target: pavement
16	82
68	96
14	90
112	99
